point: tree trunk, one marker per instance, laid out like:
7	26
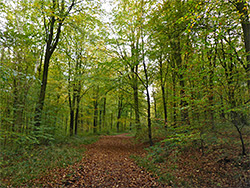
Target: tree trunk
178	59
52	39
15	104
236	122
40	104
237	118
77	114
174	99
71	125
119	114
130	122
184	104
111	120
136	100
100	119
163	95
245	23
149	119
95	116
95	122
72	112
146	85
104	112
155	106
211	95
246	31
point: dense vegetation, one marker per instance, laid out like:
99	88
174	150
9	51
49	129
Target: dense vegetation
172	72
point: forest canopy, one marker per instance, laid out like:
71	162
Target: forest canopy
173	73
73	67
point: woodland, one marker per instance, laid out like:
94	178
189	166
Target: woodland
162	87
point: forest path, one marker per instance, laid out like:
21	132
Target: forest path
106	163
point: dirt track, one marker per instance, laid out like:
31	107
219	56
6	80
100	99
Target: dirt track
107	163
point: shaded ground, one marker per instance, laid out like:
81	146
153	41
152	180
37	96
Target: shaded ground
220	165
106	163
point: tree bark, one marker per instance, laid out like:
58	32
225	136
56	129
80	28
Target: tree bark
119	114
174	98
178	59
104	112
40	104
146	85
52	40
130	122
136	99
245	23
95	116
72	111
100	119
163	94
149	119
95	111
77	113
111	121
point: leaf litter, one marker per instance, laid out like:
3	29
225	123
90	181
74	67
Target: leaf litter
106	163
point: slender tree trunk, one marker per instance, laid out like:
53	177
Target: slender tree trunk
72	112
146	84
95	122
163	95
77	89
48	53
184	104
136	100
149	119
71	101
245	23
119	114
40	104
52	39
95	116
237	118
104	112
236	122
178	59
100	119
77	114
71	125
111	121
174	99
15	104
212	62
130	123
246	31
211	96
155	105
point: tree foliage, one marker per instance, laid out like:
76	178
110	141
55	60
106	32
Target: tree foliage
156	67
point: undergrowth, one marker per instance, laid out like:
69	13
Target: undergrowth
185	159
23	164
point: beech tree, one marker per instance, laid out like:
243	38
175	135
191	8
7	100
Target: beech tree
54	14
194	55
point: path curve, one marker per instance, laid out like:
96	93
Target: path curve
107	163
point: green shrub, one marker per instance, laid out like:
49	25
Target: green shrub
24	164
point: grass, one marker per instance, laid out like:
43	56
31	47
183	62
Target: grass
22	165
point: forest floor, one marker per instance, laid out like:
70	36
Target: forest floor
106	163
123	161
